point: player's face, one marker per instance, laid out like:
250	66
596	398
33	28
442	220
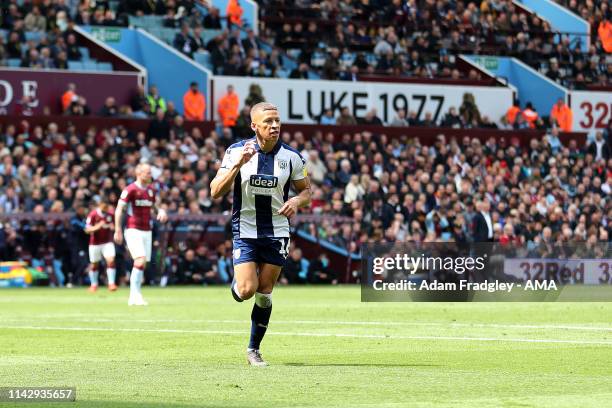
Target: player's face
145	174
267	125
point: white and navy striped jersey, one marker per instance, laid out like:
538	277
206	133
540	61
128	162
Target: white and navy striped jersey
261	188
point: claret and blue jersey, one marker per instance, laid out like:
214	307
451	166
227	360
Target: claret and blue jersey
261	188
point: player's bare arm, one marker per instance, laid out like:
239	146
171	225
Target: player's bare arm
118	236
222	183
93	228
162	216
301	200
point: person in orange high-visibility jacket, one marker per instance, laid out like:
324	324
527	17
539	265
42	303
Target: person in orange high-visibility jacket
228	107
68	96
512	113
194	103
605	34
563	115
234	12
530	115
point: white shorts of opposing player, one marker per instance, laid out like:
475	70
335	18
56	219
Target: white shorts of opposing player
139	244
97	252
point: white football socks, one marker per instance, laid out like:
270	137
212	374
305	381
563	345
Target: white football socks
111	273
93	277
136	281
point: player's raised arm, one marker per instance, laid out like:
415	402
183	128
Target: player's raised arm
222	183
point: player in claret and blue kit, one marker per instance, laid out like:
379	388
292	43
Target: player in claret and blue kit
261	171
138	199
100	226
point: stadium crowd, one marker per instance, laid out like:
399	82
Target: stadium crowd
421	38
394	189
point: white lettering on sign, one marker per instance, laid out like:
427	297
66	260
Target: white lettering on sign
29	89
8	93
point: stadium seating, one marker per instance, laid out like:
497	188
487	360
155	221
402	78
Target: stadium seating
386	185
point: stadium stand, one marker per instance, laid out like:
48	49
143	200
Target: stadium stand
351	39
42	37
391	188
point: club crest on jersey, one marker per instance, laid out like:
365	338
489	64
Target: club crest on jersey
282	164
150	193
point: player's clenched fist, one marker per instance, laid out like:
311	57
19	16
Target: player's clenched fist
248	151
289	209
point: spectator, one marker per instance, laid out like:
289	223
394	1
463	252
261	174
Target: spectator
605	34
255	95
234	12
194	270
562	115
69	96
315	167
513	113
194	103
110	108
301	72
483	225
159	128
155	100
530	115
296	268
61	60
399	119
327	118
78	107
345	118
242	130
319	271
138	101
171	112
34	21
469	112
228	107
199	45
184	42
72	48
553	140
599	148
371	118
452	119
212	21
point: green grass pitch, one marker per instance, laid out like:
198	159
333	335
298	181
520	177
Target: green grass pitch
325	347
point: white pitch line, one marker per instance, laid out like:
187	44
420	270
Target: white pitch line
349	323
343	335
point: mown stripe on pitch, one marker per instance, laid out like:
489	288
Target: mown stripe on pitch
343	335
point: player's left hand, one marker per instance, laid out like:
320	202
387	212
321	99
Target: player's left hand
289	209
162	216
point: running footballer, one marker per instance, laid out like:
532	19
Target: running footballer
261	171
